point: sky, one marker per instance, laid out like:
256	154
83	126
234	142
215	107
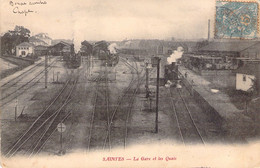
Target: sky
111	19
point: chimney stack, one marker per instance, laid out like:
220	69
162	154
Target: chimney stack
208	29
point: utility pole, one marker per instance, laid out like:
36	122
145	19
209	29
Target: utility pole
53	76
147	79
58	76
46	70
15	113
15	110
61	140
115	73
157	94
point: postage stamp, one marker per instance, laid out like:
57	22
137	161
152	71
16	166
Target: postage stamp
235	19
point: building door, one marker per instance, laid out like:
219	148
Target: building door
23	52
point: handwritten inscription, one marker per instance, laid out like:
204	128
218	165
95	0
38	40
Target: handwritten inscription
24	8
24	11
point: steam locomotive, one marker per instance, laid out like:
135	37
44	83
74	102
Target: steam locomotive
72	61
101	51
171	75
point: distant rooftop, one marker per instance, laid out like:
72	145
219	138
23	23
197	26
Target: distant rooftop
34	39
228	46
249	69
56	41
43	35
62	42
25	44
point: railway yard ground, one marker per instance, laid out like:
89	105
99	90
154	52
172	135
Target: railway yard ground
6	65
11	65
102	107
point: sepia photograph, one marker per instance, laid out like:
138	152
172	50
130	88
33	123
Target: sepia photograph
97	83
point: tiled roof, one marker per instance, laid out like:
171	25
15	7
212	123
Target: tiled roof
41	47
249	69
227	46
64	43
56	41
25	44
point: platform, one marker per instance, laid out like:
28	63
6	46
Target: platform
219	101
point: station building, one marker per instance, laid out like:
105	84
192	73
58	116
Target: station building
35	41
41	50
44	37
246	76
250	53
218	61
61	49
222	55
24	49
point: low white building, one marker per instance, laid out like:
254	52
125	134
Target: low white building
245	77
24	49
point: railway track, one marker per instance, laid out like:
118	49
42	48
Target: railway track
35	137
188	129
9	91
100	113
118	124
99	134
119	120
110	130
129	65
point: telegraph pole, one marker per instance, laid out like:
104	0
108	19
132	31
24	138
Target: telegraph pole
147	76
53	76
57	80
157	94
15	110
46	70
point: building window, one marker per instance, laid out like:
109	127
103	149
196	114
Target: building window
244	78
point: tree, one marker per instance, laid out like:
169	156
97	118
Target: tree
14	37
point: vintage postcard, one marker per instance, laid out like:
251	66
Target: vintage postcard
120	83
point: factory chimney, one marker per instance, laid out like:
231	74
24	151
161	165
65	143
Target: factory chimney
208	29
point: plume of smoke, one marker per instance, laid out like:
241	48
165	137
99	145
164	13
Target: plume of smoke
112	48
77	44
77	39
177	54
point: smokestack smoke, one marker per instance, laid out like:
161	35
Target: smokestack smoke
177	54
112	48
208	29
